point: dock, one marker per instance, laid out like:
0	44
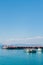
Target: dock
22	47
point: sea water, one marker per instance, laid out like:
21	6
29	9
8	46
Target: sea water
20	57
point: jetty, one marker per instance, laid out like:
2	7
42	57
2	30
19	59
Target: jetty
22	47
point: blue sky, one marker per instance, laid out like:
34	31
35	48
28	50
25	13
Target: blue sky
21	19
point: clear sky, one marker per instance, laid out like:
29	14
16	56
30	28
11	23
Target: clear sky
21	19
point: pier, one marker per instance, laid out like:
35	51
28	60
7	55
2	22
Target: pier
22	47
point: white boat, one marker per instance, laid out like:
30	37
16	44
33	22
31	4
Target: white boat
39	49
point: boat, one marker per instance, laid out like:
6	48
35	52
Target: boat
31	50
39	49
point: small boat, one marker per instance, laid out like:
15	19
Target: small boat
31	50
39	49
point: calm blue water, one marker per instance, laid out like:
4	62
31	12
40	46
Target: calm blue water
20	57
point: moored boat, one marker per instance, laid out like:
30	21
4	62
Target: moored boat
31	50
